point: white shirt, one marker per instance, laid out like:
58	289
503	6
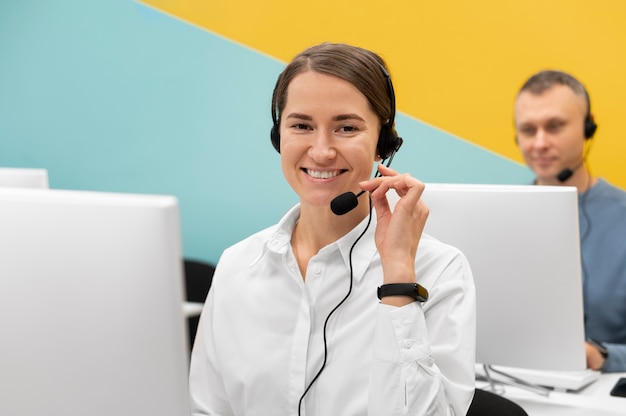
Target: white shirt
260	337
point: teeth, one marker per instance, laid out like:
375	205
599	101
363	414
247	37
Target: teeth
322	174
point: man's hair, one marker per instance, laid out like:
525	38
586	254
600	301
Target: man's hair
544	80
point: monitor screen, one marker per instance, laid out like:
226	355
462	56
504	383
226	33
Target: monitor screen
91	295
522	242
23	178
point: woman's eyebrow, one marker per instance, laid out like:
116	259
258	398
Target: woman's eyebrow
299	116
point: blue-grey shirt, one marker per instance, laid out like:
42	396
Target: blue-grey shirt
602	216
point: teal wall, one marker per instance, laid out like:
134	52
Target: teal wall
114	96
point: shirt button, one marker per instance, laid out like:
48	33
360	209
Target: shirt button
317	270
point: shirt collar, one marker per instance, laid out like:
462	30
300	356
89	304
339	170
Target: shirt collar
362	253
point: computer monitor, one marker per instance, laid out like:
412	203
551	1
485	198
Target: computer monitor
24	178
91	296
523	246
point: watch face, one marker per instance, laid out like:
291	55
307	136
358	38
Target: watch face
422	293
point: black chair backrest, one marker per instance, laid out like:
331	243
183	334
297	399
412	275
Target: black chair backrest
486	403
198	278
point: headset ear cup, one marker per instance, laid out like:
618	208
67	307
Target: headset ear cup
590	127
384	145
388	142
275	136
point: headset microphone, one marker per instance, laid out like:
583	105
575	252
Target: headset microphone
345	203
567	173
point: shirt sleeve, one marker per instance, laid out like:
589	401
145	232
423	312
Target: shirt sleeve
206	387
424	354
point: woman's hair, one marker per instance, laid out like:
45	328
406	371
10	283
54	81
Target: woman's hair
362	68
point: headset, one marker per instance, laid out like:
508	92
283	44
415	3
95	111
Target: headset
590	124
388	141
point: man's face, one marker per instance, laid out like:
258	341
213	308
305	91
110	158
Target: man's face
550	131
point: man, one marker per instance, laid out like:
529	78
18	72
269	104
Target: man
554	130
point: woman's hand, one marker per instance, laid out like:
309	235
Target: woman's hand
398	232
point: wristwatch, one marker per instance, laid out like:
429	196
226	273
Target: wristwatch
600	347
414	290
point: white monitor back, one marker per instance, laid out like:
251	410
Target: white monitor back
91	296
522	242
24	178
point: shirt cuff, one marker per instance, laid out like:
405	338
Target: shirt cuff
401	334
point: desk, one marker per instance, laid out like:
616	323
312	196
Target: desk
593	400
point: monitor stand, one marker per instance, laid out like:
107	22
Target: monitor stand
513	381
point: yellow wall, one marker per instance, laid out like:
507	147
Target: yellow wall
457	64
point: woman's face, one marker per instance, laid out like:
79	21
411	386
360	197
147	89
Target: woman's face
328	137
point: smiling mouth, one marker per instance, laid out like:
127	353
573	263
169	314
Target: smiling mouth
323	174
543	162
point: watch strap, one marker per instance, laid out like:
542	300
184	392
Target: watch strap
414	290
600	347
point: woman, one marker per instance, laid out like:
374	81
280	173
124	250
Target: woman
293	323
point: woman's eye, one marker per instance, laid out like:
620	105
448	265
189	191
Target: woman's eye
300	126
348	129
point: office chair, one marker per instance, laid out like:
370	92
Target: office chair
198	278
486	403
